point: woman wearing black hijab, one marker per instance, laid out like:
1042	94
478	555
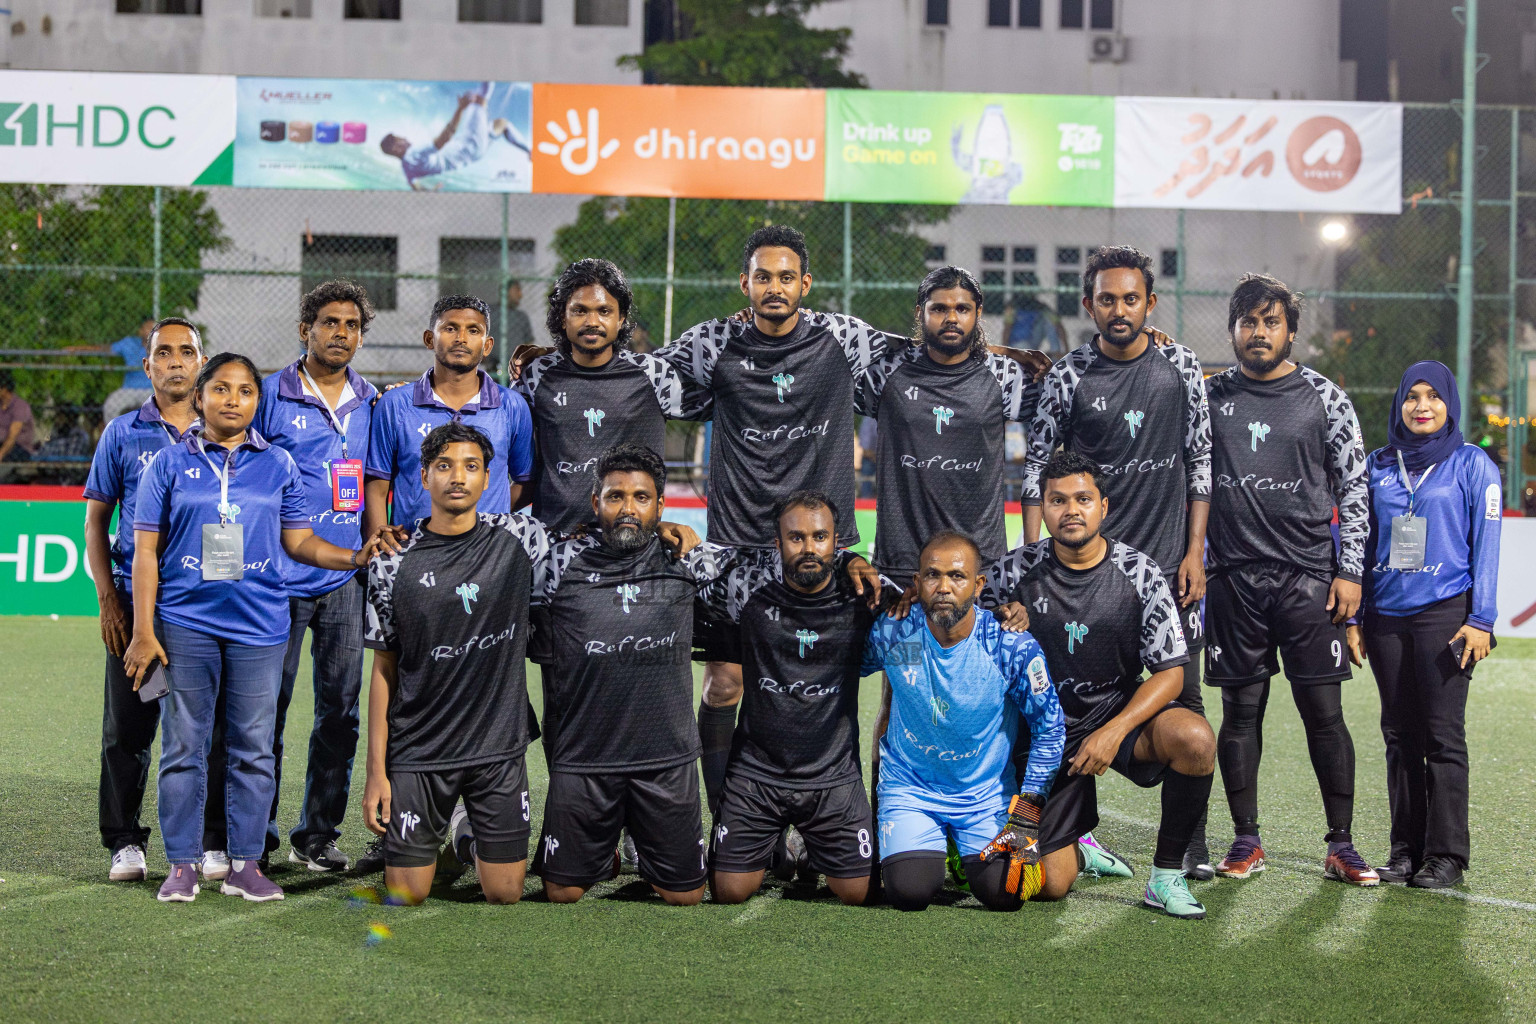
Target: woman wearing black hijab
1428	616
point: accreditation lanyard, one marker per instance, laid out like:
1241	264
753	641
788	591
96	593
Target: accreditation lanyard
223	555
345	474
1408	484
339	423
226	510
1410	536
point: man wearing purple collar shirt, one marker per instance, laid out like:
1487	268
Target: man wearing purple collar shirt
318	409
454	390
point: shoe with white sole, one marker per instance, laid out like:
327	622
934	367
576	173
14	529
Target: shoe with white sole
128	864
248	882
214	866
180	885
320	856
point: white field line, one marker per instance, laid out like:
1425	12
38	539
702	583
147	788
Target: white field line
759	906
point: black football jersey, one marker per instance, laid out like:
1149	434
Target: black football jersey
455	611
578	413
1099	627
783	416
1146	423
940	450
1286	453
798	727
620	640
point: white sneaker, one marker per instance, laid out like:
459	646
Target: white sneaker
128	865
214	866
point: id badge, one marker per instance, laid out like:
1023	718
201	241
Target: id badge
1409	537
223	551
346	485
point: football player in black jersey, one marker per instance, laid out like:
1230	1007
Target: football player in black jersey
795	753
1103	613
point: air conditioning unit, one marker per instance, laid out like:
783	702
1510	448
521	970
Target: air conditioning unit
1106	48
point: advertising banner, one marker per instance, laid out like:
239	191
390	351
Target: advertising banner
664	140
77	128
954	147
383	135
1259	155
42	559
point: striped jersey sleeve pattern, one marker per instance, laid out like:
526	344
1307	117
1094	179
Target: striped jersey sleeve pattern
664	379
538	542
379	609
1020	390
527	383
1004	574
693	357
708	562
729	594
549	570
1348	473
863	345
1162	636
1197	433
1053	413
870	385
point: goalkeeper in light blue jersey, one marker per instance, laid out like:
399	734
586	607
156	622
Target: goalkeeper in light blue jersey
956	685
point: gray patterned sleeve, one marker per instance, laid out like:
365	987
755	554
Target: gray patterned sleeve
693	357
1347	474
1049	422
527	383
869	386
1021	392
729	594
1197	433
709	561
1004	574
379	632
665	381
1162	637
863	345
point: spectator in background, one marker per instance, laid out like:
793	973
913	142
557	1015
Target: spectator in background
18	440
135	389
519	331
70	440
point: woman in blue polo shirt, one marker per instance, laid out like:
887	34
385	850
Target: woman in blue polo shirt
1429	611
215	514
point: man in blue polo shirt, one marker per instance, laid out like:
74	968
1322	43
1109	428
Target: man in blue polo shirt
454	390
318	409
128	725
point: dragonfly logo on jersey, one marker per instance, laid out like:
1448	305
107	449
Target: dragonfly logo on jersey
594	420
941	416
782	381
1076	633
1258	431
940	707
627	592
807	638
468	592
1133	420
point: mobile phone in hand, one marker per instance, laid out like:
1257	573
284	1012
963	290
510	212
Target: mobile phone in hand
155	684
1458	648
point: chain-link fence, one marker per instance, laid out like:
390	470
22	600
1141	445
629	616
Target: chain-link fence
83	267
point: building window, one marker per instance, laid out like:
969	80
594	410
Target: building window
602	12
935	254
994	254
373	10
938	12
1101	15
1068	284
472	266
159	7
1029	13
282	8
1026	279
997	13
371	260
1069	256
993	278
1169	263
514	12
1023	254
1071	13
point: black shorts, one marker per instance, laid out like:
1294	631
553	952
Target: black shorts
583	815
421	805
1072	809
1253	610
835	822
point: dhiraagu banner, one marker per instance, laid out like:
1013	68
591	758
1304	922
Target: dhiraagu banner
948	147
42	558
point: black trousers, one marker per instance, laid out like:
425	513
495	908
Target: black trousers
127	733
1424	724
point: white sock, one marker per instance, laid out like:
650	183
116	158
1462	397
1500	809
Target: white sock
238	865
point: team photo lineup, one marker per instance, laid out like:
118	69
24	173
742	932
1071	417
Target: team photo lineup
1186	539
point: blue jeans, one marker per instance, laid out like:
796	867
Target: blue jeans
204	667
337	655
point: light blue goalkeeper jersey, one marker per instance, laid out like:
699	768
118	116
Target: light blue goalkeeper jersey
952	724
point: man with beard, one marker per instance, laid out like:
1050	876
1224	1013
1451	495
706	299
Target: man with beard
946	756
454	390
943	406
1103	613
795	753
1286	450
1134	402
619	681
127	446
592	392
318	409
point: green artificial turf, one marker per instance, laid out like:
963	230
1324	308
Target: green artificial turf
1285	945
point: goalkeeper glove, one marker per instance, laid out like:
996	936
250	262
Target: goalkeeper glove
1020	840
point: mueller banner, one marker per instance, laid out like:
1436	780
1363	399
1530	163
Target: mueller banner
82	128
955	147
664	140
1259	155
383	135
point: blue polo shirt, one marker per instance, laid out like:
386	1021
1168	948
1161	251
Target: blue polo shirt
125	450
296	421
405	416
180	492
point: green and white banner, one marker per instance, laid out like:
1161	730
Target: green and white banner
955	147
42	558
88	128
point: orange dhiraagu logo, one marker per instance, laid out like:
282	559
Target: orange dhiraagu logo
704	142
1323	154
